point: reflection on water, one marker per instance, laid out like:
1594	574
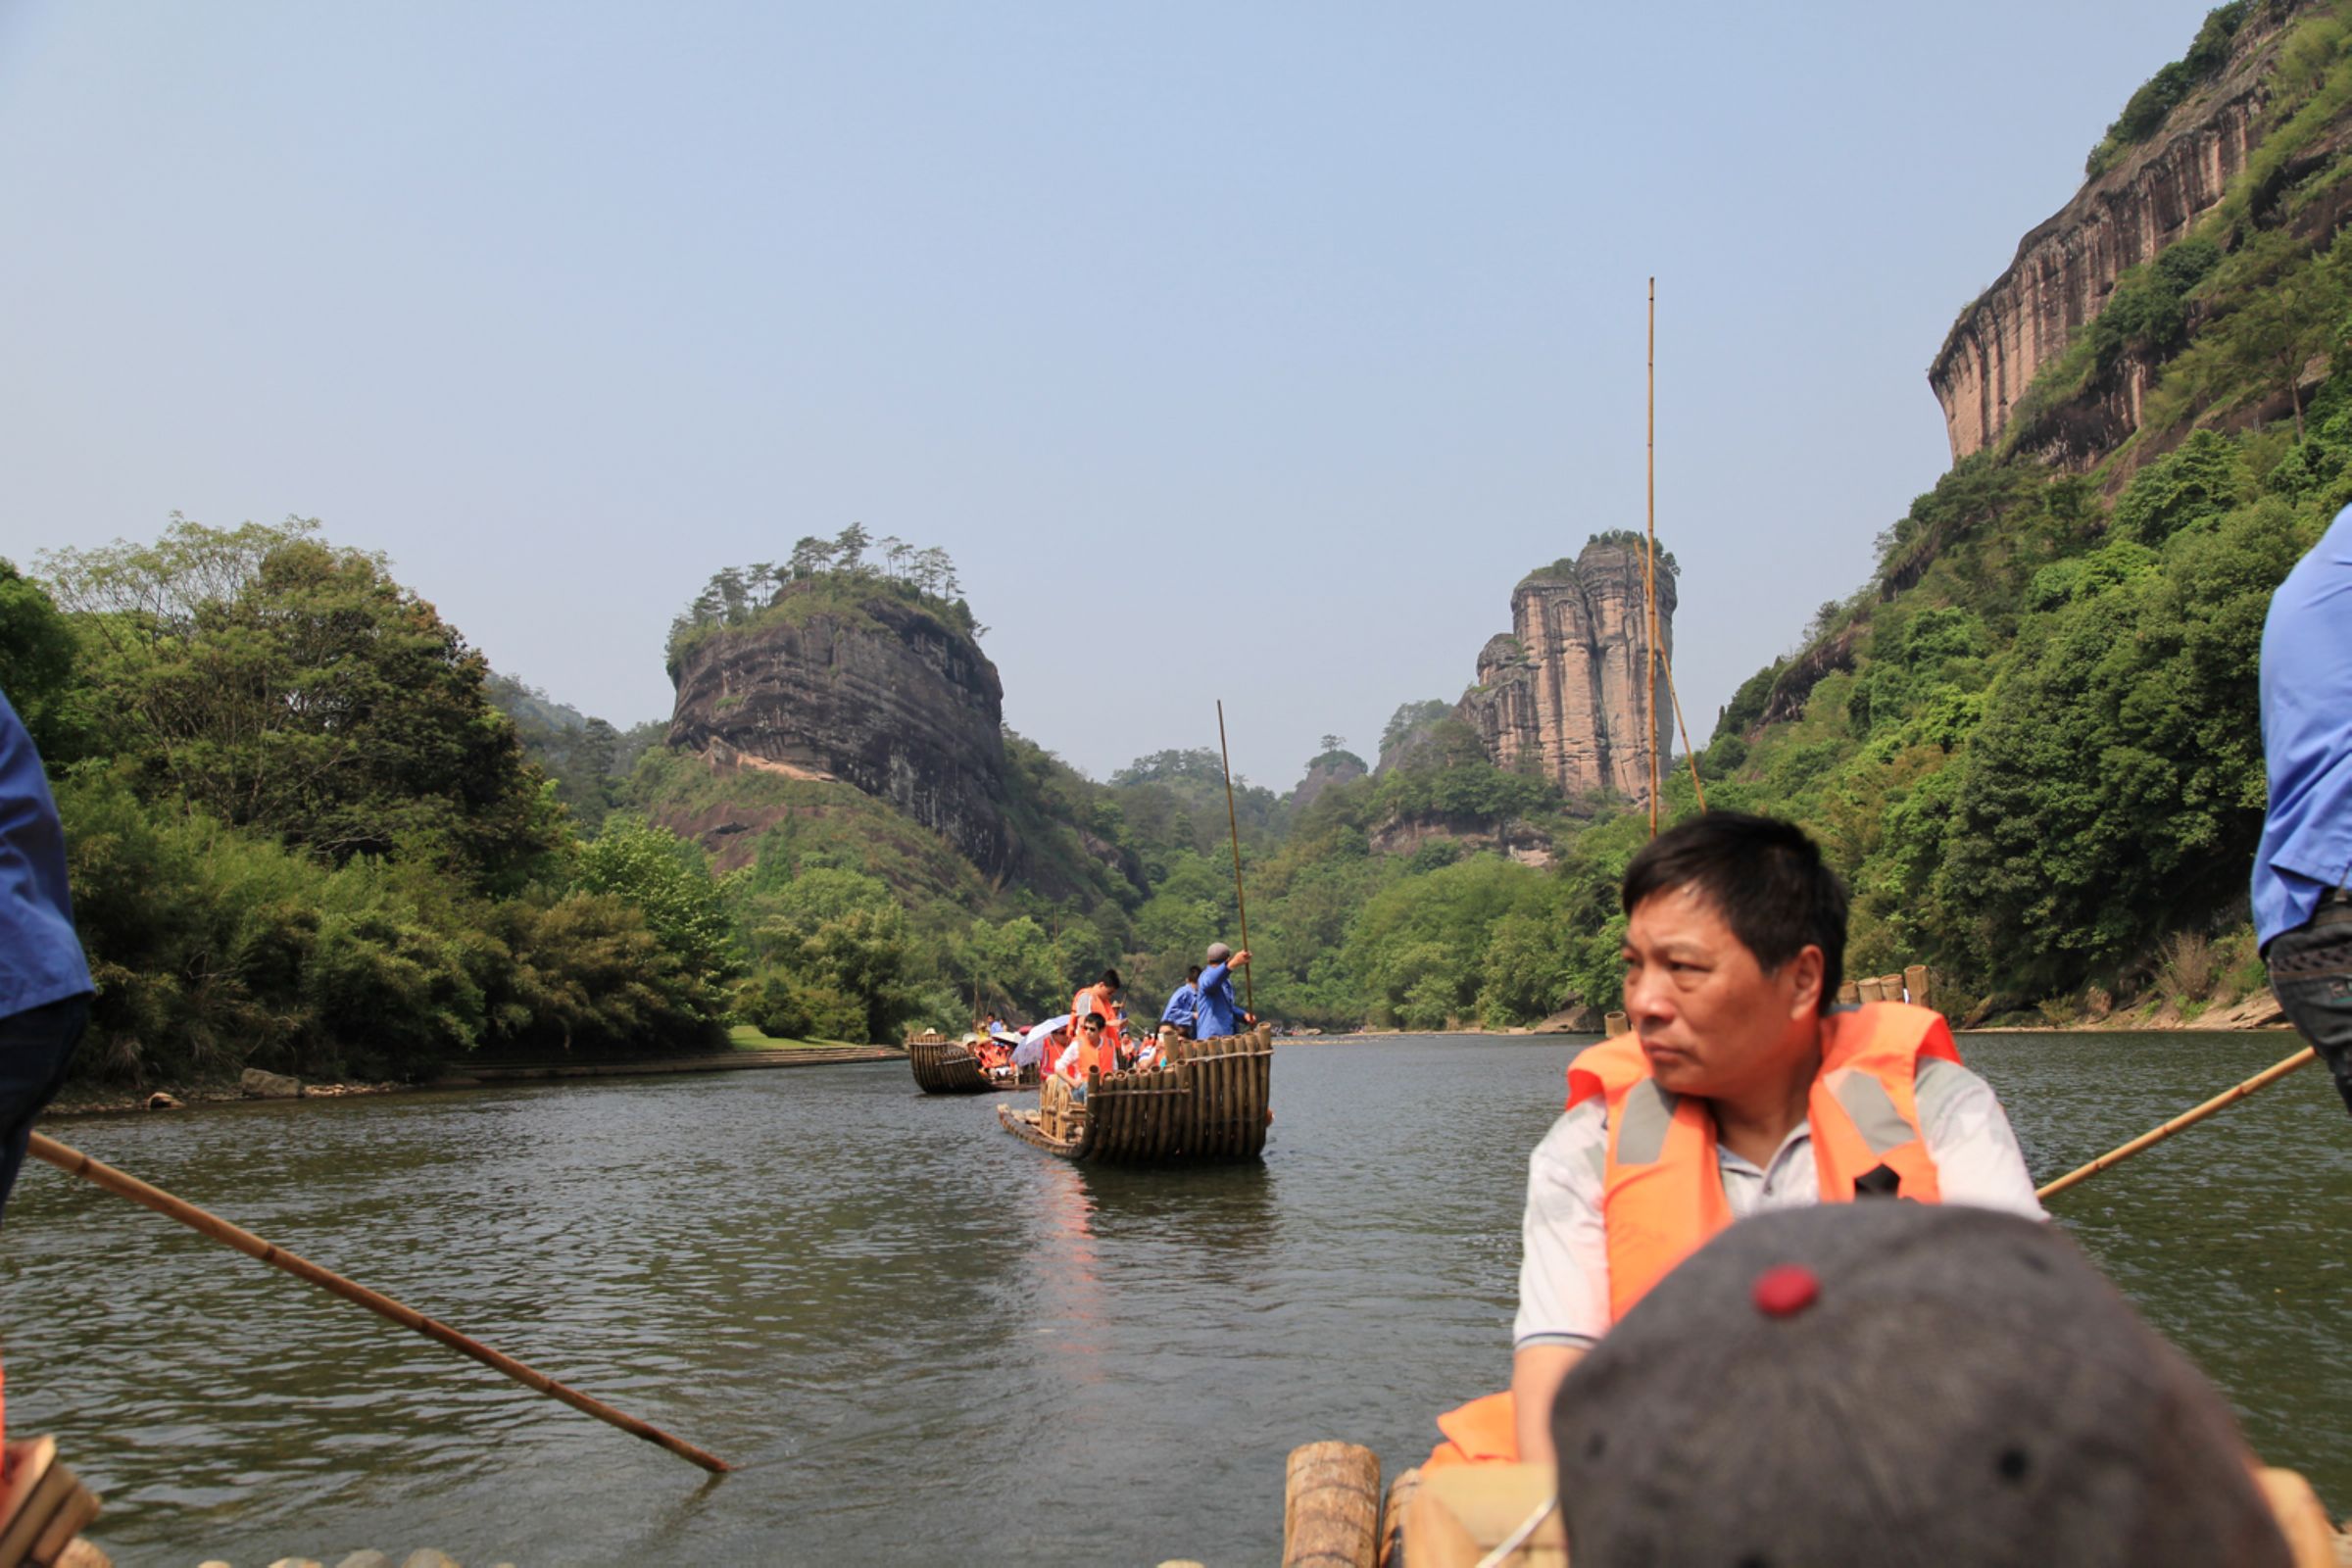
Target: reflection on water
924	1341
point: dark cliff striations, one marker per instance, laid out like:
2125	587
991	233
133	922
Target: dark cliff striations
2066	268
1564	688
883	696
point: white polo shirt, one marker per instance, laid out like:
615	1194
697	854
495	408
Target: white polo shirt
1564	1267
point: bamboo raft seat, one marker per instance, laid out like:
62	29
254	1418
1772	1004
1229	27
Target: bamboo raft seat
1457	1517
43	1510
950	1067
1210	1101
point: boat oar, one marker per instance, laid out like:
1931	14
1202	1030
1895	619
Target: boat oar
76	1163
2188	1118
1233	822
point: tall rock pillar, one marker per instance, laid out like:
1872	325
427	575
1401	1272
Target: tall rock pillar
1566	688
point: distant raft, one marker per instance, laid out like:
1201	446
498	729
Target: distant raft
1210	1102
949	1068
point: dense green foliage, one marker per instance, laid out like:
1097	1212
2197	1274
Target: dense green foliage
300	835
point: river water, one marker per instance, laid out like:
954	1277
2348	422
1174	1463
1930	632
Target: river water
923	1342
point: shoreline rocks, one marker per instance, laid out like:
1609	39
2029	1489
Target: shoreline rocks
255	1084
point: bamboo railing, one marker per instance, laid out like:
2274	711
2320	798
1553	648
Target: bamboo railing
1210	1101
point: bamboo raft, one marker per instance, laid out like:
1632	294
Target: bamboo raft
948	1067
1334	1516
1209	1103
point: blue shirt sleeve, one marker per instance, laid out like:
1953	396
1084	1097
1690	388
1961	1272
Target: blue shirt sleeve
40	955
2306	844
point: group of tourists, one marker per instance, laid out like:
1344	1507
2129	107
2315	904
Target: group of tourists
1094	1035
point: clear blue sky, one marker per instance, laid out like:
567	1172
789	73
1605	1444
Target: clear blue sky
1232	350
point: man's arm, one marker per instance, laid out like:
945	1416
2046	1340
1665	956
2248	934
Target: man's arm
1563	1272
1537	1373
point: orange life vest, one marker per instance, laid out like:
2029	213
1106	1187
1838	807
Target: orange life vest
1661	1188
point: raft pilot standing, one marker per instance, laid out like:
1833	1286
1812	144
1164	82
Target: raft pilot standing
1217	1012
1739	1089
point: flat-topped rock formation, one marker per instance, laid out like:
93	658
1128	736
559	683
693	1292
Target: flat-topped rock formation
881	693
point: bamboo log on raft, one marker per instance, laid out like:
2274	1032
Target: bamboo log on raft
1615	1024
1330	1511
1392	1517
1228	1065
1915	981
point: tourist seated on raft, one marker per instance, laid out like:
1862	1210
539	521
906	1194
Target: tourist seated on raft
1741	1088
1905	1383
1090	1050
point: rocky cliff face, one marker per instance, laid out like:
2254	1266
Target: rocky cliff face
884	696
1566	684
2066	268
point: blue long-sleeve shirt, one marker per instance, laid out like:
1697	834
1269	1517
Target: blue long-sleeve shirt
1220	1014
1184	1007
41	956
2307	736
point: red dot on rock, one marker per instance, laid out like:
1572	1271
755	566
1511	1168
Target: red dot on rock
1786	1290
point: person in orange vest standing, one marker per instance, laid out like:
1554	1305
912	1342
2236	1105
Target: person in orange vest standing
1742	1087
1101	996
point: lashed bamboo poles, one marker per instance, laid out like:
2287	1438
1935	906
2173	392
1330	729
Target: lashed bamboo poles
1649	570
123	1185
2188	1118
1234	823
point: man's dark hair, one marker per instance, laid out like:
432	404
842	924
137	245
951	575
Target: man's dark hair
1191	974
1111	978
1766	879
1095	1020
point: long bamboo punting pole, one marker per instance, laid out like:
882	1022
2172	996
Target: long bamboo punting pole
123	1185
1649	574
1233	824
2188	1118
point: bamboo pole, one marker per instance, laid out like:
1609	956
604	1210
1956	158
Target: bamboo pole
1392	1517
1234	823
123	1185
2188	1118
1649	571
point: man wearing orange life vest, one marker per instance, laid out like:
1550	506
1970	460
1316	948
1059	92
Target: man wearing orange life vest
1089	1051
1741	1088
